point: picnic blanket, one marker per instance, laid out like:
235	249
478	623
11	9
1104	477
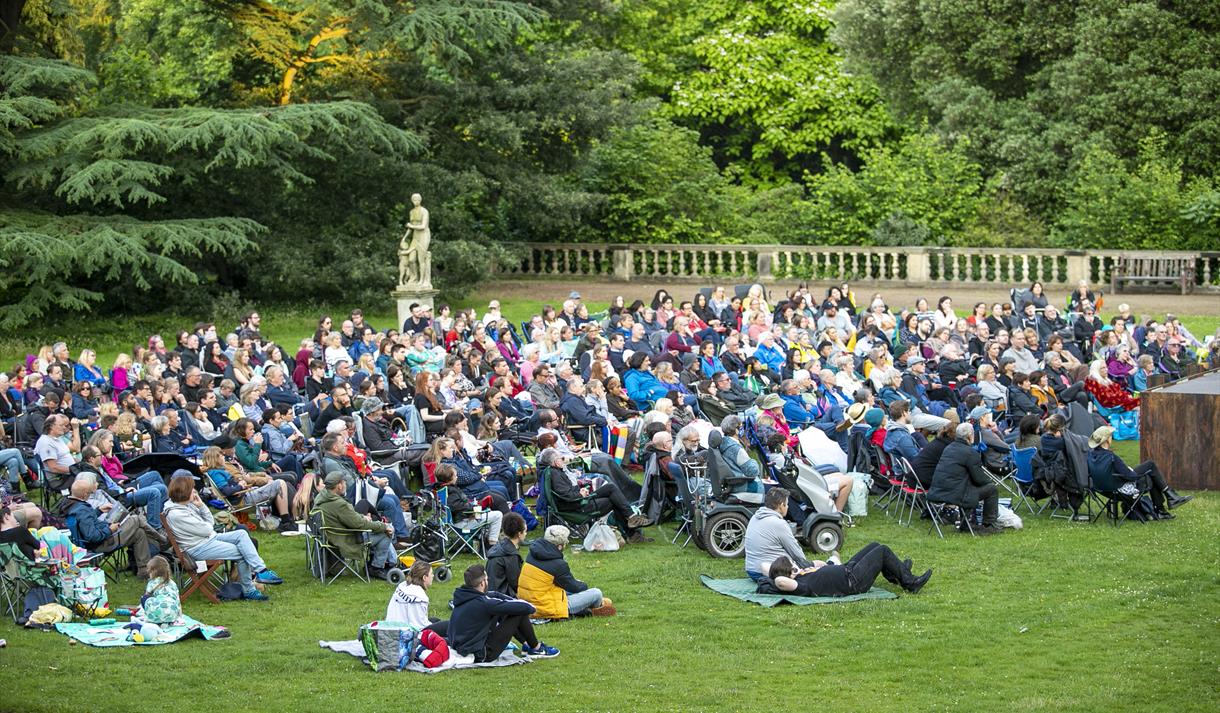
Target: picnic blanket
355	647
746	590
117	634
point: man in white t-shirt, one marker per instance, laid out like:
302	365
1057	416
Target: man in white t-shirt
54	450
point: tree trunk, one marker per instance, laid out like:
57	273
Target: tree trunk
10	18
306	57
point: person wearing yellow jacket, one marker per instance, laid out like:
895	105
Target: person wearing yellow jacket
546	581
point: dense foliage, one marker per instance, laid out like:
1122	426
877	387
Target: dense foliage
265	149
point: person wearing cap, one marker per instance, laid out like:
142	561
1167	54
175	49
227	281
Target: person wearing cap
493	313
378	439
1109	474
195	531
343	525
832	317
959	479
988	440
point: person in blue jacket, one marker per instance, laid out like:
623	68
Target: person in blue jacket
642	385
709	363
769	354
578	412
798	413
483	622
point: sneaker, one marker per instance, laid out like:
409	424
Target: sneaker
254	595
637	538
1081	517
268	577
637	520
542	651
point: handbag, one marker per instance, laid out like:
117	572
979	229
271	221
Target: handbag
1126	425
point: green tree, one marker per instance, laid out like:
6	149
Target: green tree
1150	206
760	81
1031	84
130	197
917	191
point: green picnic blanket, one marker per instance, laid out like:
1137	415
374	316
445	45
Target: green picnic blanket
116	635
747	591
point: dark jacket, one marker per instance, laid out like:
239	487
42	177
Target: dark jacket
285	395
473	614
328	414
86	525
377	436
1108	471
579	412
949	370
1021	403
468	477
503	568
925	463
958	475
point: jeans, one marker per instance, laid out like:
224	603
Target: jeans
581	601
234	545
151	493
383	551
388	507
400	489
11	459
291	464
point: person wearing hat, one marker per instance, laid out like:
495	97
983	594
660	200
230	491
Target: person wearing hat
378	438
773	406
959	479
919	386
991	444
493	313
195	531
1109	473
853	416
343	526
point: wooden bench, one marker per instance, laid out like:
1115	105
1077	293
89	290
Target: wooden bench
1154	269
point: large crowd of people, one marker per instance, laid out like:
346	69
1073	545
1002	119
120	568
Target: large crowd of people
339	422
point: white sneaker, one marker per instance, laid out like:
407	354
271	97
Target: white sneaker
834	558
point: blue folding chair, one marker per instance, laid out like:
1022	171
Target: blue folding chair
1023	476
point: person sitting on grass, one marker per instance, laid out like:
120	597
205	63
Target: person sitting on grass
769	537
546	581
195	531
160	604
343	524
409	602
483	622
856	576
503	560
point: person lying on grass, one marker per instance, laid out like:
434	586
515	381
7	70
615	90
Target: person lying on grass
856	576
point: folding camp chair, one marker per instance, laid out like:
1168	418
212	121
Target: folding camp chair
577	521
196	575
464	535
686	499
234	503
324	559
1023	477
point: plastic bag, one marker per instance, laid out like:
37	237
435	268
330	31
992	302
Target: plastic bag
857	499
1008	518
601	538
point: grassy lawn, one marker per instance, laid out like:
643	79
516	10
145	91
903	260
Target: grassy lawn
1059	616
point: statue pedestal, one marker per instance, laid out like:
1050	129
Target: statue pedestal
406	295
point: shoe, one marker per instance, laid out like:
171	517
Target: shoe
917	583
254	595
268	577
637	520
287	525
991	529
604	610
542	651
637	538
1163	515
1174	500
376	573
1081	517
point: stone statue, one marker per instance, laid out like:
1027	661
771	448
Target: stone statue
414	258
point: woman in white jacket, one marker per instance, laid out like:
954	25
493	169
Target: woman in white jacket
191	522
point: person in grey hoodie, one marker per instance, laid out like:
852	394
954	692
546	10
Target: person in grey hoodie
768	536
191	522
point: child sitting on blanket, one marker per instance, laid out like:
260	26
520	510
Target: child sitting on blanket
160	603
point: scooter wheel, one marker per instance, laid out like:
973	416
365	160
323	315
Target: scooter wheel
443	574
395	575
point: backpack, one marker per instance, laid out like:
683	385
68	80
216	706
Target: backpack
1054	472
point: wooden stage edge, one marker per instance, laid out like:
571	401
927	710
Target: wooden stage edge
1180	430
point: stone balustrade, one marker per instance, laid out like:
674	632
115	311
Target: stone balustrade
908	266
